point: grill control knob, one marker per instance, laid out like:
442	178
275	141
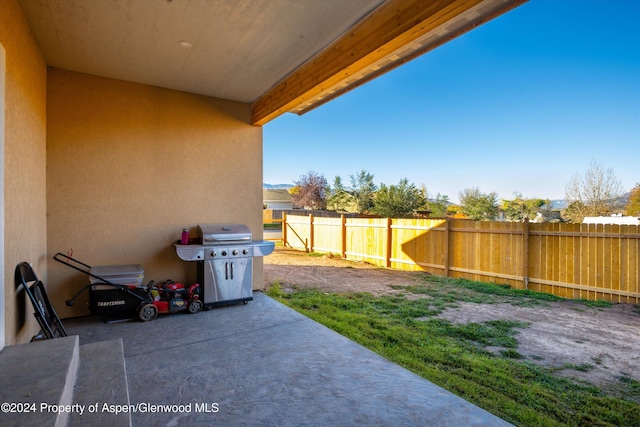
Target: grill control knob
213	253
235	252
224	253
245	251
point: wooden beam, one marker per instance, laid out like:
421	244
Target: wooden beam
388	28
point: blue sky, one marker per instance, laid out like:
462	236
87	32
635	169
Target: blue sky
520	104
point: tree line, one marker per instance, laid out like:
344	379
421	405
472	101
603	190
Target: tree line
596	192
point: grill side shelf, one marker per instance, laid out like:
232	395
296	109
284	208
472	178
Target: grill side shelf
190	252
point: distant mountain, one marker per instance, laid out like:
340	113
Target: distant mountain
619	203
277	186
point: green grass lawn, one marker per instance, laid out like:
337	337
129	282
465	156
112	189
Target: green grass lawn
274	226
454	356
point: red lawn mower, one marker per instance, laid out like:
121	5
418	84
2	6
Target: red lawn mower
171	297
119	301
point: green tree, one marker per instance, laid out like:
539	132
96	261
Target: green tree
633	205
519	208
593	193
438	206
338	196
574	212
479	206
548	213
396	201
362	190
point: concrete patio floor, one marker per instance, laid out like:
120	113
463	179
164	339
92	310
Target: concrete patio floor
263	364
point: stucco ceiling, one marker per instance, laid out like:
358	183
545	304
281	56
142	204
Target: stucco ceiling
245	50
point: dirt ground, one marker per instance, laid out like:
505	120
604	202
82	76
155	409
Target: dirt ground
604	343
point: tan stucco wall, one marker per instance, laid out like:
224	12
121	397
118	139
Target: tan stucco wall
114	171
25	227
129	166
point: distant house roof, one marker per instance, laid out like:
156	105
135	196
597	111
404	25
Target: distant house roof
620	220
273	196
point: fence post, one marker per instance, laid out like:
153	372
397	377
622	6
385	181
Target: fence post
311	242
389	242
343	236
284	229
446	247
525	252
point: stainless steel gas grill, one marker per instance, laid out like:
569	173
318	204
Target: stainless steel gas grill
224	255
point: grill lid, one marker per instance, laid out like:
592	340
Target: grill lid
212	234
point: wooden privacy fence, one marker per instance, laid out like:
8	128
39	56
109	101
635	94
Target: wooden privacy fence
588	261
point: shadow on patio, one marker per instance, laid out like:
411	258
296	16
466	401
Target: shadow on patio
264	364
